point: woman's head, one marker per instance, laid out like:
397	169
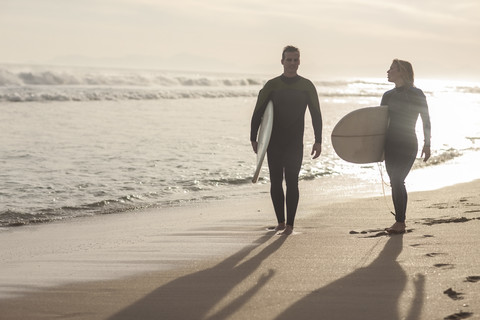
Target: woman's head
401	73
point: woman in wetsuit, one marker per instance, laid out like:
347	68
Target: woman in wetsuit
405	103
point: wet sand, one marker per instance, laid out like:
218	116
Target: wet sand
219	261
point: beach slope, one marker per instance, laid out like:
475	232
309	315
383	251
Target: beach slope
222	263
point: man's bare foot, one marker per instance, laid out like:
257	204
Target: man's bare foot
288	231
397	228
280	227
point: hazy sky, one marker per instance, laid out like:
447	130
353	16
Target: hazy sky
337	38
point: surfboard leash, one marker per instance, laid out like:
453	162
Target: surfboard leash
380	169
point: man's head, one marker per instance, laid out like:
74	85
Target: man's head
290	61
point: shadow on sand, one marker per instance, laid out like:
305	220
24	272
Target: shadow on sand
193	296
372	292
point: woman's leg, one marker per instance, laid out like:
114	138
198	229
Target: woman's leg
398	166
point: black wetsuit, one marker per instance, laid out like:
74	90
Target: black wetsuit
290	97
401	148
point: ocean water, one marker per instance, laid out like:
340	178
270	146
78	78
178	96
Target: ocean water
85	141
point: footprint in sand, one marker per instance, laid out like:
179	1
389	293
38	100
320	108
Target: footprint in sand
434	254
439	206
464	201
377	232
444	265
417	245
472	279
366	231
470	204
459	315
454	295
432	221
473	211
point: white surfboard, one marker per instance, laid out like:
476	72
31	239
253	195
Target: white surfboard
263	138
359	137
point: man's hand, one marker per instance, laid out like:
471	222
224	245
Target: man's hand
316	150
426	152
254	146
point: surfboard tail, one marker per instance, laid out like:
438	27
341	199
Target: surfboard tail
263	138
257	171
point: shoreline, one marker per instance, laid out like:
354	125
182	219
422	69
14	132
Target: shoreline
218	261
330	188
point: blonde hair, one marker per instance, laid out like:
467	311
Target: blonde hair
406	71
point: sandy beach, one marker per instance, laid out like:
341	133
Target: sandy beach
219	261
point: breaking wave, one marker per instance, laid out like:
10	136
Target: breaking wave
42	83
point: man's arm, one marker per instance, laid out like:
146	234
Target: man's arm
316	115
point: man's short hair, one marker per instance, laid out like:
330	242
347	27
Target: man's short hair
289	49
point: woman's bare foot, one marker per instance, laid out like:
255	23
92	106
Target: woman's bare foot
288	231
280	227
397	227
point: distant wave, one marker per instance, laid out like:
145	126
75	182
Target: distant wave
115	94
56	76
47	83
26	83
102	94
465	89
20	76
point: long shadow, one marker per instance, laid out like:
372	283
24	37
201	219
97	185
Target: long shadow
193	296
372	292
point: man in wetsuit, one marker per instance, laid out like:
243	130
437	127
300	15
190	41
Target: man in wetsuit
290	94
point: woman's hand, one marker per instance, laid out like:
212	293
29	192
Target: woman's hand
426	152
316	150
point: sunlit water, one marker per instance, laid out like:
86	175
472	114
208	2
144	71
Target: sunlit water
79	142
